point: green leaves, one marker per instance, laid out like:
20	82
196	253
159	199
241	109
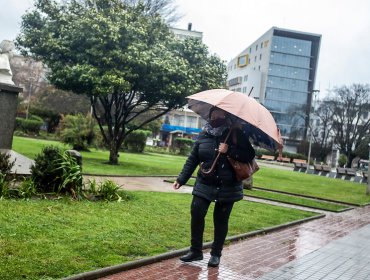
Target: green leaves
120	55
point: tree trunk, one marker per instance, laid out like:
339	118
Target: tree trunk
113	154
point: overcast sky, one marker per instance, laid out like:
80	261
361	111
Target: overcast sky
230	26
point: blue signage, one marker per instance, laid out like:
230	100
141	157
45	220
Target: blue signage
187	130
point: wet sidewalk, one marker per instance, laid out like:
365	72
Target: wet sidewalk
265	256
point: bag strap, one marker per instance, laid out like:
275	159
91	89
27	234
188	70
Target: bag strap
216	159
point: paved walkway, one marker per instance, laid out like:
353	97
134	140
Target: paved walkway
281	254
258	256
342	259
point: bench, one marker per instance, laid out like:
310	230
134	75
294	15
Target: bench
326	168
317	169
350	171
301	167
295	160
285	159
267	157
322	170
341	172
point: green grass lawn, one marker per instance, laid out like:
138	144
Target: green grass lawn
95	162
312	185
295	200
285	198
43	239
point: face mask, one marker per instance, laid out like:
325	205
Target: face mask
217	122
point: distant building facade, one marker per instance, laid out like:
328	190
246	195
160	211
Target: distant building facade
279	71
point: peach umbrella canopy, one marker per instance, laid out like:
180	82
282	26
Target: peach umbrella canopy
256	120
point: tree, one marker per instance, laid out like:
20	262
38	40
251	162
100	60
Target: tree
350	107
165	8
126	60
362	150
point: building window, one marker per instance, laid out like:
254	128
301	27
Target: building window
244	89
234	81
261	45
250	50
245	78
178	120
238	89
256	47
259	67
242	60
260	56
191	122
255	58
249	60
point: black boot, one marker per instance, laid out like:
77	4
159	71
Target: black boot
214	261
192	256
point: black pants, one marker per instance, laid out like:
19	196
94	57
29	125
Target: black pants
221	214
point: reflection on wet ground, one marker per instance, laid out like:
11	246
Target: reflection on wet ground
256	256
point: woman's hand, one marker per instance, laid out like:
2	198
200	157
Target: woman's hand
176	185
223	148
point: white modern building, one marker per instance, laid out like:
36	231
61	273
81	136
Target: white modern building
279	70
187	33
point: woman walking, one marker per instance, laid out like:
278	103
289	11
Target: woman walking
219	186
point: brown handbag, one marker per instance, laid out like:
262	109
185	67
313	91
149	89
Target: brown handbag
242	170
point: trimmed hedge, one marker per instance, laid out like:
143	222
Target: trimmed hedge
31	125
184	145
136	140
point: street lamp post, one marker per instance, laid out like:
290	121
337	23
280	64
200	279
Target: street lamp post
311	132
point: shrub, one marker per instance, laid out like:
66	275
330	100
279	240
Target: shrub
51	118
71	180
77	131
31	125
57	171
45	172
4	186
136	140
5	164
7	189
342	160
107	190
184	145
27	189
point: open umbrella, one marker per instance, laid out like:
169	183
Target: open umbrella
257	122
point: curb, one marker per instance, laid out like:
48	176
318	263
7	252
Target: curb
146	176
313	197
95	274
295	204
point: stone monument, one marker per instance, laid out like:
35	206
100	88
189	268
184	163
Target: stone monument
8	110
8	98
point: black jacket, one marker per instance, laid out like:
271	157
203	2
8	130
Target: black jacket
221	185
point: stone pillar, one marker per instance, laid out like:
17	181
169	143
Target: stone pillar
8	111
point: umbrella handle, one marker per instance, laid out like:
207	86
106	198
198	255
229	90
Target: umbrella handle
209	171
212	167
